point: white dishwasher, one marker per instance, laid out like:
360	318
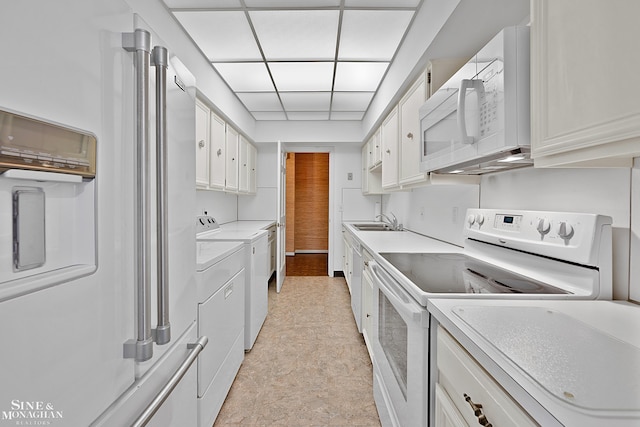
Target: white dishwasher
220	280
257	270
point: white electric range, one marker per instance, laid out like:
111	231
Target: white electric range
507	254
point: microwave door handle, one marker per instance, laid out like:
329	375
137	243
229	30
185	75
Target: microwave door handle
465	84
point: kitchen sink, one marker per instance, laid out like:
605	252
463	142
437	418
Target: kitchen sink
373	227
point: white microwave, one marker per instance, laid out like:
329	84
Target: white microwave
479	120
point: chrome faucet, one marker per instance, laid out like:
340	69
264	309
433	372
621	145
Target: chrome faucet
393	223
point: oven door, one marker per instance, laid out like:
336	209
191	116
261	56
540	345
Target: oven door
400	352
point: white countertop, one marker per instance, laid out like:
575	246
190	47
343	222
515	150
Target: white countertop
576	361
398	241
247	225
210	252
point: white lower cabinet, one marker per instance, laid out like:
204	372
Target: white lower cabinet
463	387
367	301
447	415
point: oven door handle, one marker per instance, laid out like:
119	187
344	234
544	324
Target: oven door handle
400	299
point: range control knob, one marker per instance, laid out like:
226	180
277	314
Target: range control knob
544	226
565	230
471	219
480	219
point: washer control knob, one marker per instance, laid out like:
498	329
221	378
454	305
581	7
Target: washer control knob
565	230
544	226
480	219
471	219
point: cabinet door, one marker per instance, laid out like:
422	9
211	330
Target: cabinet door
585	107
446	413
389	136
202	145
377	148
231	159
217	153
253	162
409	146
243	165
367	306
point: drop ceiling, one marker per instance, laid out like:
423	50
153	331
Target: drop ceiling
299	59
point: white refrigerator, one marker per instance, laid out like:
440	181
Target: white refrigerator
69	326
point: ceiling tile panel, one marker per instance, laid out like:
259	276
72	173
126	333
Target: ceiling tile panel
299	59
382	3
372	35
261	101
306	101
351	101
292	3
203	4
308	116
297	35
302	76
359	76
208	29
245	77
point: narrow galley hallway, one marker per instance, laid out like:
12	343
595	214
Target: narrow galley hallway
309	365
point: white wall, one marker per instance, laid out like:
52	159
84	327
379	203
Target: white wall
222	206
601	191
436	211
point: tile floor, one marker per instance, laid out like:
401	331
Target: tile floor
309	365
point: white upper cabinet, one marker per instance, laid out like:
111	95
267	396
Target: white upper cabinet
225	160
584	91
202	145
389	135
409	147
232	161
217	153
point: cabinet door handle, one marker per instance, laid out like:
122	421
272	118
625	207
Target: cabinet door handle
477	411
201	143
219	152
410	135
388	151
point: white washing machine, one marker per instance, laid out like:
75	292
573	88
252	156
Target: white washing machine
257	271
220	281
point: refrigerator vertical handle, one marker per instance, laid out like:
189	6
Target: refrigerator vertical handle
477	85
162	333
141	348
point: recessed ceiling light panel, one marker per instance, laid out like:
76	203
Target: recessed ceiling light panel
222	36
359	76
288	35
351	101
306	101
246	77
261	101
302	76
372	35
